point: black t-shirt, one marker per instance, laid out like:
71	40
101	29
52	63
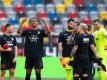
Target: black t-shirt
67	39
34	42
11	42
91	54
83	41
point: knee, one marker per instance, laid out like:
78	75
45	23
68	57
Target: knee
38	70
12	73
2	73
28	71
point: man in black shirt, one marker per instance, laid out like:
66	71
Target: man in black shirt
34	47
65	45
8	48
81	53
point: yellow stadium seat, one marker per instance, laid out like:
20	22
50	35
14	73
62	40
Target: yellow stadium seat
68	2
6	2
46	40
103	14
60	8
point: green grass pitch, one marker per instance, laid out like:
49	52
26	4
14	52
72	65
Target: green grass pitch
52	69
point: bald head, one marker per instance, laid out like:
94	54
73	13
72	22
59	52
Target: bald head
83	26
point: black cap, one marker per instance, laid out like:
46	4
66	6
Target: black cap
70	20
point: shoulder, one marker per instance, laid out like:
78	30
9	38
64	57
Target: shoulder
2	36
26	30
91	35
62	33
78	35
13	36
40	30
95	32
102	29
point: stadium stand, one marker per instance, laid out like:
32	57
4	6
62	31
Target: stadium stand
54	11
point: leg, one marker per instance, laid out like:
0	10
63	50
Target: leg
76	76
38	65
4	66
38	74
28	67
101	74
12	67
11	75
85	70
76	71
3	74
90	74
28	74
84	77
68	74
68	69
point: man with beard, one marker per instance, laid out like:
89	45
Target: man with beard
65	45
34	47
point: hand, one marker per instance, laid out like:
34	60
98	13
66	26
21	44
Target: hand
42	20
97	56
14	60
9	49
63	62
70	62
61	57
23	21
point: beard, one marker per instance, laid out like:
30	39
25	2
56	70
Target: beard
70	28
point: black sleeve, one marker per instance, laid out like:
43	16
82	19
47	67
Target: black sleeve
15	42
91	37
24	33
77	40
44	33
1	40
60	37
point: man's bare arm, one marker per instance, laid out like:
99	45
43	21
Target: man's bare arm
93	50
60	49
48	30
73	51
19	31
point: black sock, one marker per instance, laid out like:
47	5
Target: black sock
38	76
76	78
84	78
27	77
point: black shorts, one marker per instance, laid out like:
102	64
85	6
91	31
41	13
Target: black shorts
36	62
6	63
80	67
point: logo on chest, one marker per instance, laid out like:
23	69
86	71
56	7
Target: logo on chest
34	38
9	41
86	40
70	39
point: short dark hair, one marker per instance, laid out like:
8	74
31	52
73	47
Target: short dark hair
97	20
33	19
7	25
70	20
